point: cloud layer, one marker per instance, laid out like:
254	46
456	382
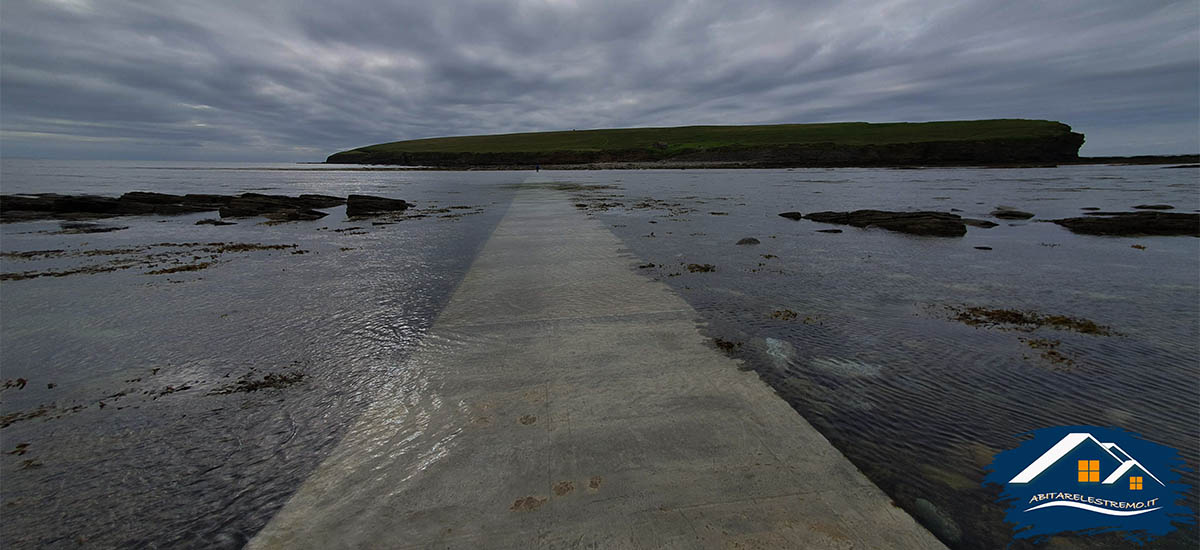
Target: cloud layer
297	80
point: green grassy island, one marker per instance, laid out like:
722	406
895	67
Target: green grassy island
969	142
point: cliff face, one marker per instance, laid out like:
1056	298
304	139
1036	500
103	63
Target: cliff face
1062	147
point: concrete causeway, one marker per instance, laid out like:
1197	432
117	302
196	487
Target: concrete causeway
563	400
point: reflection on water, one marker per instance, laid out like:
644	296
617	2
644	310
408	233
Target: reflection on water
150	437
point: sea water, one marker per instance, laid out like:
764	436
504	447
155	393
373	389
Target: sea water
141	429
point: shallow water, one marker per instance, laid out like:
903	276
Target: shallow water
198	467
872	358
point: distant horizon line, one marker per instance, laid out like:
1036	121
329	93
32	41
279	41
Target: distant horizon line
109	159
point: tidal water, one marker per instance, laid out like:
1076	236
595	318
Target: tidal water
139	427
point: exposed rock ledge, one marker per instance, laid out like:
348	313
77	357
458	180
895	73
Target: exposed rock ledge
41	206
1134	223
936	224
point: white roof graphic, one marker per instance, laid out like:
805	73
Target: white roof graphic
1067	444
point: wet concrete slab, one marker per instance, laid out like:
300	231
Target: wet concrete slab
563	400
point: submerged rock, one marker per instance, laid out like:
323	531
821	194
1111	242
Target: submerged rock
213	221
366	205
296	214
937	224
1028	321
749	240
937	521
1009	213
1134	223
979	223
1154	207
792	215
829	231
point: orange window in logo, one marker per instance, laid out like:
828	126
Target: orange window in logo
1135	483
1089	471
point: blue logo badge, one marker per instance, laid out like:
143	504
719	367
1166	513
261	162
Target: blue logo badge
1090	480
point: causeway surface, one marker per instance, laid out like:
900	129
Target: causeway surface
563	400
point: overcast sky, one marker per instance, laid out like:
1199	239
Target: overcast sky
296	80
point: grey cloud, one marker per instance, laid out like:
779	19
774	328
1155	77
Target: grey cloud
298	80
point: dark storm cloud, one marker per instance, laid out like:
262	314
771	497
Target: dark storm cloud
298	80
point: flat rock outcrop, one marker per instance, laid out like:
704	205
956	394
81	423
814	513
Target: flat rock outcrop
278	207
43	206
979	223
936	224
1146	222
366	205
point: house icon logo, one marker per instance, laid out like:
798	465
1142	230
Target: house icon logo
1089	480
1116	464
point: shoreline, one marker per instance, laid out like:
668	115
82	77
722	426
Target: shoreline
1176	161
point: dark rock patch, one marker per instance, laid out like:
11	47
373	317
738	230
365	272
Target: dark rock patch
983	248
829	231
1154	207
134	203
366	205
784	314
937	224
1048	349
749	240
250	383
276	207
979	223
77	228
563	488
1134	223
792	215
1013	319
297	214
527	504
320	201
213	202
726	346
1006	213
213	221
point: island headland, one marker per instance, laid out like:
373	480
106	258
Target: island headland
950	143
